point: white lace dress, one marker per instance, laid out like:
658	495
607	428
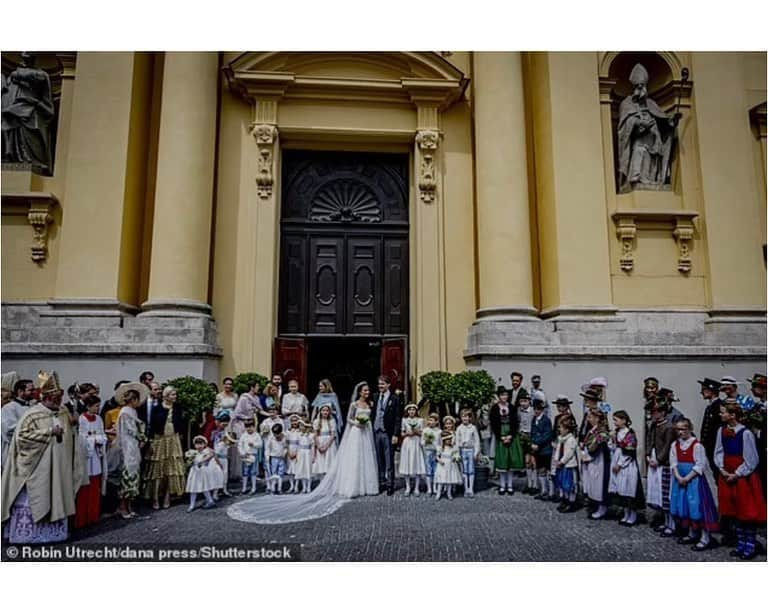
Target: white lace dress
325	434
353	473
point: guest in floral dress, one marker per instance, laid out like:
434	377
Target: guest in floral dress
127	446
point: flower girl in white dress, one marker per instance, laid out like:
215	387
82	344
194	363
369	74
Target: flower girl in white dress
205	474
411	453
325	441
447	473
302	467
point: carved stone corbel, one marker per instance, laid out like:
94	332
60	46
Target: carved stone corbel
266	136
39	218
683	234
427	141
626	231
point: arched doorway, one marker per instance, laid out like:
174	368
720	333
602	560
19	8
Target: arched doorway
343	286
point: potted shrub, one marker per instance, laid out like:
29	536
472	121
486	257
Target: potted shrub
241	381
436	393
473	389
195	397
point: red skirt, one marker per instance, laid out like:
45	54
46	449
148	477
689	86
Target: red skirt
88	505
742	499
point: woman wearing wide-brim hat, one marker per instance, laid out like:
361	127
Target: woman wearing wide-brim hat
125	451
165	469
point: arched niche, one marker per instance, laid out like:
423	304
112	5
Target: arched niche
665	86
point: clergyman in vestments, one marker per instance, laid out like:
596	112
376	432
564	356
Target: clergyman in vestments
43	472
645	138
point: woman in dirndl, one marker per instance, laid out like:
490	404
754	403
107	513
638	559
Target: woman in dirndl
625	474
504	425
165	471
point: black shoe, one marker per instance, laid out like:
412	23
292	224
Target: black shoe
735	552
562	507
748	557
390	491
702	547
570	509
684	541
509	492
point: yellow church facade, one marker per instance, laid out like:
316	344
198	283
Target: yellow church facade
343	214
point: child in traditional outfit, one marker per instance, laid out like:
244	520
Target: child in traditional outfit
411	454
305	450
691	501
88	506
277	450
468	442
221	448
504	425
204	473
447	473
292	441
541	445
248	446
661	437
563	409
595	458
430	441
525	415
565	460
326	432
739	489
625	474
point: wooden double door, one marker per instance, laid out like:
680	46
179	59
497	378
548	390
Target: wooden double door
344	253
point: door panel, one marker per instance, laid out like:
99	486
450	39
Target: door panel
363	285
326	285
395	299
393	362
293	285
291	360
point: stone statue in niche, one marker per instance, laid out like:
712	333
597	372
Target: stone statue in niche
645	139
27	113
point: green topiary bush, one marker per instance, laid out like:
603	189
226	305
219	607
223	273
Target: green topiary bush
473	388
436	387
194	395
242	379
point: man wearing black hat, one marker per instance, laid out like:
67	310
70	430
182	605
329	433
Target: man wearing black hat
711	422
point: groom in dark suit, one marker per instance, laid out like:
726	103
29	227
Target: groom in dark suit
386	418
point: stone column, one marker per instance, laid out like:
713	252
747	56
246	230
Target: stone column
503	218
730	186
570	185
181	235
100	248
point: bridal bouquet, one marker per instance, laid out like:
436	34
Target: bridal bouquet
413	425
363	420
456	457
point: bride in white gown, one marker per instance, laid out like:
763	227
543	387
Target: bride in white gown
354	473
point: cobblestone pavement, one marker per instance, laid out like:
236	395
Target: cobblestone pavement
489	527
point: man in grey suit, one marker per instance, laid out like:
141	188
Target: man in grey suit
386	418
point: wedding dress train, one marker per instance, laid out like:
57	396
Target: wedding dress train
354	473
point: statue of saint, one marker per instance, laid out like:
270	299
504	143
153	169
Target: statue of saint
27	112
646	135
